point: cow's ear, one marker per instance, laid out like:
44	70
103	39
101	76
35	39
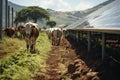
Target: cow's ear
33	26
22	26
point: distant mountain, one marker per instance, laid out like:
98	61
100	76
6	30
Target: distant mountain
65	18
15	6
62	17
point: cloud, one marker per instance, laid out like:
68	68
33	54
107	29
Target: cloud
63	5
83	6
59	5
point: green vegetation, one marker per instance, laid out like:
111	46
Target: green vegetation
24	65
51	23
10	45
31	13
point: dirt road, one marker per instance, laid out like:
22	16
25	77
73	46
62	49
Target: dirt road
59	58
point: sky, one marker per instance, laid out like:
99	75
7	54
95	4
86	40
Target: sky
60	5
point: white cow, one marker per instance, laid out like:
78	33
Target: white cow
31	35
55	35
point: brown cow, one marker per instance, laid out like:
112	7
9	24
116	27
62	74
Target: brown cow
31	34
21	30
56	36
10	31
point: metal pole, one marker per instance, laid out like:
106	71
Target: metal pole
1	6
12	16
89	41
77	36
6	13
15	16
103	46
8	16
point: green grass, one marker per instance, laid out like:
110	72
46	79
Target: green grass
10	45
23	65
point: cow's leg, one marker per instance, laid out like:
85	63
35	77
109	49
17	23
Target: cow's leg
27	43
27	46
57	42
32	47
52	41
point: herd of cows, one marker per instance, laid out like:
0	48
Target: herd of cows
30	32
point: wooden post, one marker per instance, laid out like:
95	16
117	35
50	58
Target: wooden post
1	6
12	16
103	46
89	41
6	13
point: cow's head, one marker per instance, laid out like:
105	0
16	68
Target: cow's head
20	27
28	28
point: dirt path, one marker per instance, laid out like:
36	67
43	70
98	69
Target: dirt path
63	63
59	58
53	61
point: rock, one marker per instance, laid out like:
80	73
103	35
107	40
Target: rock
77	61
71	68
91	74
75	75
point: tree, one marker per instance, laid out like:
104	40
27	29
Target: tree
51	23
31	13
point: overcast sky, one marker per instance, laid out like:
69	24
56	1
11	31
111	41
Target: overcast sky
60	5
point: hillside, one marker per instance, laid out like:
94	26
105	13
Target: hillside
62	17
65	18
15	6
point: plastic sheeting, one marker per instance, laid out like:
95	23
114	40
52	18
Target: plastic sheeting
107	17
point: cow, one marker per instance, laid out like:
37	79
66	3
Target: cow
49	33
10	31
31	33
21	29
56	36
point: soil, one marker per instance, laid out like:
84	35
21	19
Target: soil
64	64
70	61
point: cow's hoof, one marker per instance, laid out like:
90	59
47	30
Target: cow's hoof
32	51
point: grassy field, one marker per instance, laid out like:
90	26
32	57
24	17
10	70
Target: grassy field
18	64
